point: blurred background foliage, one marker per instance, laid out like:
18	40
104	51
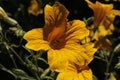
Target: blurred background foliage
19	63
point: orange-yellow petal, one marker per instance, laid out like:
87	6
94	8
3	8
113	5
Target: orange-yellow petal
71	75
58	59
86	74
89	51
68	76
96	36
49	15
34	34
84	53
115	12
75	53
105	31
76	30
55	16
37	45
35	40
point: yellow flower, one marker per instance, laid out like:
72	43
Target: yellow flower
59	37
35	8
101	11
104	15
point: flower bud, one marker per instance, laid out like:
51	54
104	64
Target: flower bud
2	13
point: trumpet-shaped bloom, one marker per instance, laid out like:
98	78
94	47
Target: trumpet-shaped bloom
59	37
104	15
101	11
35	8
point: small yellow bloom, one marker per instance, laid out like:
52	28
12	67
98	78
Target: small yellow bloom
35	8
101	11
59	37
104	15
2	13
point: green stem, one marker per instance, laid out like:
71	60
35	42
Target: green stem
38	78
7	70
11	56
108	65
37	72
107	69
17	55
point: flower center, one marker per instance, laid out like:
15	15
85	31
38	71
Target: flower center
56	38
57	44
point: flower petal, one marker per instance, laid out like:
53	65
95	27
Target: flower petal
103	31
68	76
37	45
55	16
59	59
115	12
89	52
34	34
84	53
75	53
71	75
76	30
86	74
